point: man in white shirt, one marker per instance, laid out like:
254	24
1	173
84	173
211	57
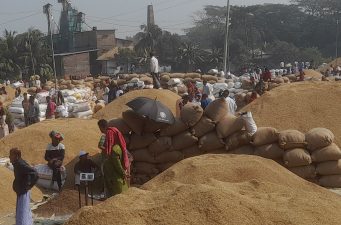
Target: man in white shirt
231	104
154	71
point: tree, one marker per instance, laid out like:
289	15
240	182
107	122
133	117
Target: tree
190	55
147	39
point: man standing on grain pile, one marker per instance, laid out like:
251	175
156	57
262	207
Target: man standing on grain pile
154	71
25	177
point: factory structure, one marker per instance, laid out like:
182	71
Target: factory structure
79	52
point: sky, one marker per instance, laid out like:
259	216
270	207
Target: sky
125	16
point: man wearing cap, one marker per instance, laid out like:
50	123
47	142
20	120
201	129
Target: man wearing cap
84	165
54	155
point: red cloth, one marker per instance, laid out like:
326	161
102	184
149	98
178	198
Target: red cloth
266	76
51	109
115	137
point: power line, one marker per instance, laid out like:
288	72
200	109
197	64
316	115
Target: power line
21	18
16	13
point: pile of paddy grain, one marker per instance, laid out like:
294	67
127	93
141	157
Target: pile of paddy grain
330	65
313	74
301	106
8	196
115	108
219	189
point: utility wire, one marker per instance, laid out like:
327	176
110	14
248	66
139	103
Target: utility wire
20	18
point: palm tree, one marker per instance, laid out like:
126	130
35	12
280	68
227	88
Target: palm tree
9	65
148	38
215	58
189	54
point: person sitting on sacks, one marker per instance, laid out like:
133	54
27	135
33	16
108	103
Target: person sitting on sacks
84	165
205	101
232	106
250	124
116	159
54	156
181	103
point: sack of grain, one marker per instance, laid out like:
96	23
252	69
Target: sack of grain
97	80
329	168
292	77
191	114
192	75
182	89
140	178
210	142
265	136
296	157
77	82
164	166
228	125
279	80
143	155
238	139
183	140
244	150
32	90
120	125
318	138
270	151
152	126
134	121
286	80
305	172
66	82
209	78
141	141
81	107
161	145
191	151
147	80
167	157
176	75
290	139
204	126
217	110
329	153
165	78
332	181
82	115
98	107
174	129
121	82
145	168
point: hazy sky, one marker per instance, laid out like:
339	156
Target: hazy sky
123	15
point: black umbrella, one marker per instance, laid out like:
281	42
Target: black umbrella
152	109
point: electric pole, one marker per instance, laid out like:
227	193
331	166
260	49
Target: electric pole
337	39
30	44
226	53
47	11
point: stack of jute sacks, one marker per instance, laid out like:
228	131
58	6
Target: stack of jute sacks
326	156
156	146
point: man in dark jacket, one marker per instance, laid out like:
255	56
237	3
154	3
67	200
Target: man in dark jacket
25	177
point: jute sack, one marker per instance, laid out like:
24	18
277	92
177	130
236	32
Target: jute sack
167	157
121	82
204	126
238	139
134	121
265	136
120	125
152	126
192	75
191	151
145	168
329	153
164	166
210	142
141	141
161	145
279	81
329	168
165	78
305	172
183	140
290	139
271	151
191	114
228	125
143	155
332	181
318	138
244	150
174	129
217	110
209	78
297	157
140	178
147	80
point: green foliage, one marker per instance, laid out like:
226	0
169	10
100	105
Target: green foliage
24	54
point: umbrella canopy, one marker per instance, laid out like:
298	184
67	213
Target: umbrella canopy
152	109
